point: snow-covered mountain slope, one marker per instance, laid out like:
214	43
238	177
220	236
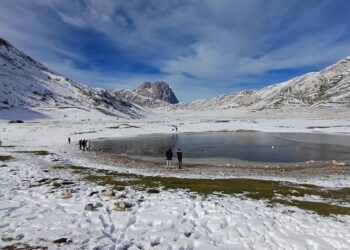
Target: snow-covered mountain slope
329	87
25	83
141	100
149	94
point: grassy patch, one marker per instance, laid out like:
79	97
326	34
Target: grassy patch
5	157
320	208
275	192
35	152
20	246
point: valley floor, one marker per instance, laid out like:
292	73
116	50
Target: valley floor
54	196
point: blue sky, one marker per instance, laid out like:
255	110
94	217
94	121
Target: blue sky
202	48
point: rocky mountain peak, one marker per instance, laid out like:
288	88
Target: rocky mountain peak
157	90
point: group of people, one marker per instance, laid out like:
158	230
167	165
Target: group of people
169	156
84	144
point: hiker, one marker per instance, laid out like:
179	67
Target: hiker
80	143
84	145
169	157
88	145
69	140
179	157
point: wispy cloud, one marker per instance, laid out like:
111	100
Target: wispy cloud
200	46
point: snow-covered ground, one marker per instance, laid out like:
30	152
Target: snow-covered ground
36	213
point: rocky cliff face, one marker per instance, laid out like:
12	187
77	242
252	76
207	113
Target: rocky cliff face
158	91
25	83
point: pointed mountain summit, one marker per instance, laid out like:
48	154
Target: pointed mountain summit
157	90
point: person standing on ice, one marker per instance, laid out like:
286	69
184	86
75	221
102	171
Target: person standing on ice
169	157
179	157
69	140
80	143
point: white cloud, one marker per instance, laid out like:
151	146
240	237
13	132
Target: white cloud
216	42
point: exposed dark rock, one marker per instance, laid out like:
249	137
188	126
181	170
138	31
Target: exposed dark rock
157	90
62	241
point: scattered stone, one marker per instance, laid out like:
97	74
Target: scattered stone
66	183
294	191
188	234
122	206
67	193
19	236
54	184
153	191
120	196
93	207
108	192
93	193
338	163
6	238
43	180
62	240
90	207
46	170
155	243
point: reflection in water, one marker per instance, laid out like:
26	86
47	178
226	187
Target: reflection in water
259	147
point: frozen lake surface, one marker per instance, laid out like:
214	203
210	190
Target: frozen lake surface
246	146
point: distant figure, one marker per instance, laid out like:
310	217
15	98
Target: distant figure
88	145
80	143
179	157
69	140
176	129
84	144
169	157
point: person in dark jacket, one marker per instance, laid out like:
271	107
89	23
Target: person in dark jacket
169	157
80	143
69	140
179	157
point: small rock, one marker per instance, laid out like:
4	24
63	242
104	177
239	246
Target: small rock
54	184
120	196
62	240
67	193
188	234
93	207
46	170
153	191
43	180
93	193
65	183
109	192
19	237
6	238
338	163
90	207
122	206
